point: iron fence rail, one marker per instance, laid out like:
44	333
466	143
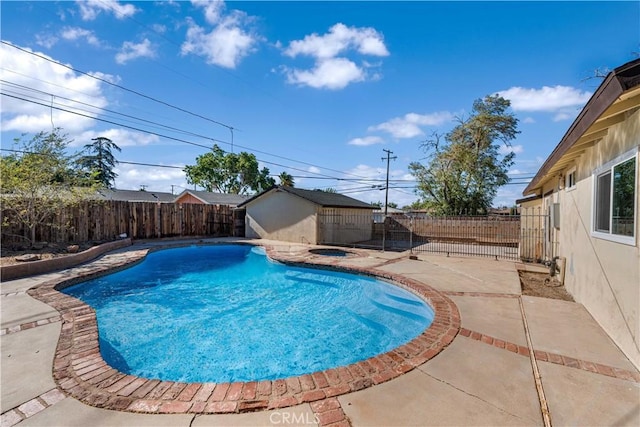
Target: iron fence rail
527	236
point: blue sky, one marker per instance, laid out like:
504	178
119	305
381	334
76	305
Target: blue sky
316	89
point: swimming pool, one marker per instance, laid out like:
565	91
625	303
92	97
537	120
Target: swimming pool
226	313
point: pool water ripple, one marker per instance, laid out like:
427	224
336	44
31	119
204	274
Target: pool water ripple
226	313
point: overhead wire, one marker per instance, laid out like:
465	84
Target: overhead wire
208	138
231	128
151	98
154	133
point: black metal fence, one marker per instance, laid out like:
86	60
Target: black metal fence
528	236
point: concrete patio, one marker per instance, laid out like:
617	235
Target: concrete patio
514	358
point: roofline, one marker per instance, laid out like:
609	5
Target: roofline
287	189
293	193
614	85
189	192
528	199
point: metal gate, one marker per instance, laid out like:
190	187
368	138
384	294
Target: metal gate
495	236
529	236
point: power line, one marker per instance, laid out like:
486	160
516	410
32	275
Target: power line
109	111
153	133
116	85
198	135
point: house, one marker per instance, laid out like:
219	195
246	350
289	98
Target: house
209	198
187	196
588	187
135	196
307	216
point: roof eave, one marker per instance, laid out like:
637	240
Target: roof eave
614	85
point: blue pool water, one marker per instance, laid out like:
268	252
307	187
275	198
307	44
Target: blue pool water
227	313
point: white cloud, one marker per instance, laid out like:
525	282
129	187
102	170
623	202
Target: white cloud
562	100
227	43
508	194
90	9
564	115
159	28
314	169
120	137
505	149
132	50
367	140
528	120
132	177
339	39
335	73
409	126
212	9
38	74
46	40
75	33
332	69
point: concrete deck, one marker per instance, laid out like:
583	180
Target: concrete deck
484	377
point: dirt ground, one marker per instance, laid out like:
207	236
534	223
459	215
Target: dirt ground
51	250
542	285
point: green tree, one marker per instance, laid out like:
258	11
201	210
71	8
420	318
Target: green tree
97	161
465	167
228	173
37	182
286	179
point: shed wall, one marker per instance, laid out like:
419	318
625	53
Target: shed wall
282	216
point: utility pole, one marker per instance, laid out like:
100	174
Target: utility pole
386	195
172	185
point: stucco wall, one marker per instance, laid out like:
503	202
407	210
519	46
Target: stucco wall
281	216
602	275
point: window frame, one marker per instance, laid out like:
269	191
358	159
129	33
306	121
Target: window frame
567	181
609	168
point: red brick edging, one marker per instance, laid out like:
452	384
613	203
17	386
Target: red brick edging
29	325
80	371
31	407
558	359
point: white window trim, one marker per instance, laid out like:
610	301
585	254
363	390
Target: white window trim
566	182
625	240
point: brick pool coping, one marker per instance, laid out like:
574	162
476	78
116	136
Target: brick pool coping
80	371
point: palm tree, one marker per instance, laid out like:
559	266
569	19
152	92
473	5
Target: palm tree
286	180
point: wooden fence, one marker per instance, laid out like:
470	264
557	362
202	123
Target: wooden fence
97	221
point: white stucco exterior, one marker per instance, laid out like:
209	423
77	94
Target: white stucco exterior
602	274
282	216
593	179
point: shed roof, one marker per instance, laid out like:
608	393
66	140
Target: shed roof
618	94
318	197
215	198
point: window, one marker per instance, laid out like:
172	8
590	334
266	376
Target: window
615	200
570	180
